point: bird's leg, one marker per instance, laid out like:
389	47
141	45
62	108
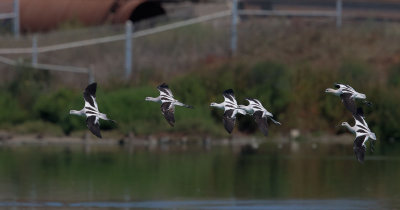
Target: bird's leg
178	103
274	121
368	103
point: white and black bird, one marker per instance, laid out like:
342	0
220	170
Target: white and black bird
91	110
230	108
260	114
348	96
362	132
168	103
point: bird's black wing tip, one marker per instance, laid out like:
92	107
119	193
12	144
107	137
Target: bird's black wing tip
163	85
94	84
91	89
228	92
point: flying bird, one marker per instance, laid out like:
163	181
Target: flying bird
91	110
230	108
348	96
260	114
168	103
362	132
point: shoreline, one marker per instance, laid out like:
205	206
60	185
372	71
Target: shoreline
8	139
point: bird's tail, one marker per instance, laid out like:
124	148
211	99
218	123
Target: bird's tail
184	105
360	96
372	136
104	117
241	111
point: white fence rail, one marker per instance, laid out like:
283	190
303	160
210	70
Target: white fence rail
7	16
51	67
119	37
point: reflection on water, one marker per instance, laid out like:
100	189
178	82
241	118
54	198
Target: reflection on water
272	176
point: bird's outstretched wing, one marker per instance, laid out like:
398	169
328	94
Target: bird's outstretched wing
261	122
359	148
349	103
229	97
168	110
164	90
92	123
90	95
229	120
359	118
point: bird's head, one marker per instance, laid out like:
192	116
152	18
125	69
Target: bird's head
329	90
147	99
213	104
345	124
333	91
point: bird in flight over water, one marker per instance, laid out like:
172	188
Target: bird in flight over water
91	110
168	103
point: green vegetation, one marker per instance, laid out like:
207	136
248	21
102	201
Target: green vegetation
295	96
288	74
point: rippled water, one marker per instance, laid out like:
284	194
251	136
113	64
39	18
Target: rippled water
289	176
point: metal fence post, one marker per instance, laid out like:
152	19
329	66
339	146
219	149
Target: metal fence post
339	9
128	49
90	74
16	18
234	26
34	50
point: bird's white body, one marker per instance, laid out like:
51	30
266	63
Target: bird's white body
363	134
230	108
255	106
91	110
359	130
157	99
166	97
341	88
168	103
348	96
229	104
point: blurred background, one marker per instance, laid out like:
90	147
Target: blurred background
284	53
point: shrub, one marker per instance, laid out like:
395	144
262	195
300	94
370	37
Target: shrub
54	108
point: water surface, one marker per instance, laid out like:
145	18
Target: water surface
289	176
